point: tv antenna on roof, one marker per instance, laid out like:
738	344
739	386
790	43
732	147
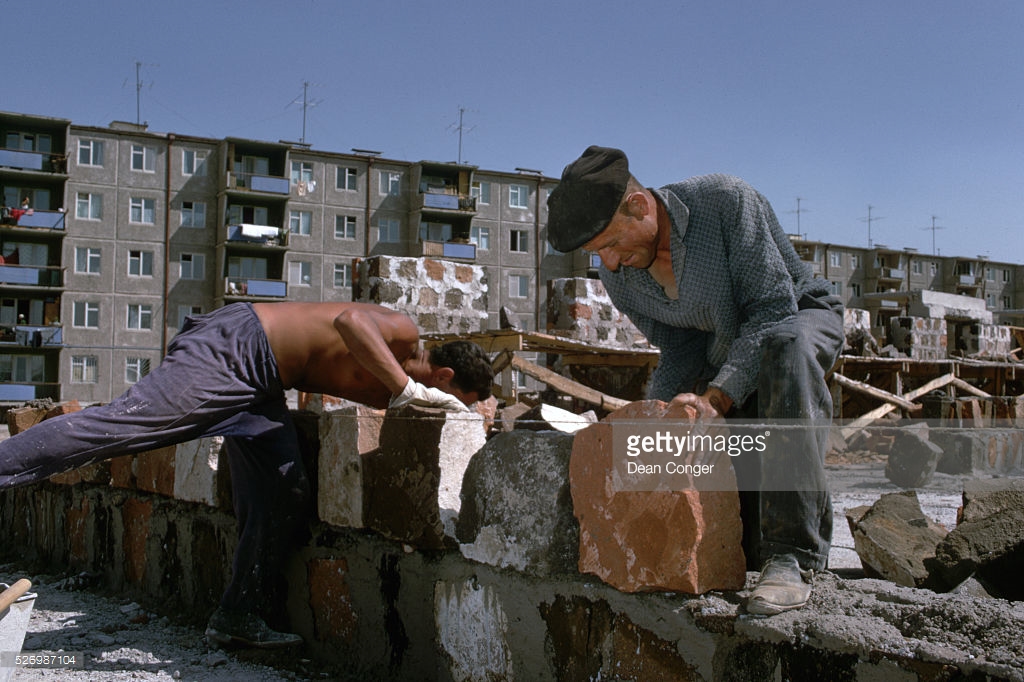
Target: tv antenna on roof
306	105
138	91
461	128
870	220
798	211
933	228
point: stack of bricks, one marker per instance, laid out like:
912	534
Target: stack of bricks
920	338
992	342
442	297
582	310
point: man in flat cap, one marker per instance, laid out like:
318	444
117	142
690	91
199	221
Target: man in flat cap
705	271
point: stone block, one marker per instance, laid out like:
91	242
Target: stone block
90	473
335	618
676	540
122	471
66	407
912	458
135	514
507	416
154	471
196	471
411	483
516	508
21	418
347	436
893	538
988	542
473	632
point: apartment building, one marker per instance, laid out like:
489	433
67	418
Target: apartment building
125	232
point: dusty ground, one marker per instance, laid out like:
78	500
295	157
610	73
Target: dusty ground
118	640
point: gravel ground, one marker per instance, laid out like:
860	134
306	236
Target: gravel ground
118	640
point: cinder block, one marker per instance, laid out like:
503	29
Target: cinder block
347	436
196	465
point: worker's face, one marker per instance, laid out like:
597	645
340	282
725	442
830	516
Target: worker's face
419	367
631	238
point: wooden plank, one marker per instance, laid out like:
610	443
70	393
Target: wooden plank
568	386
879	412
867	389
967	388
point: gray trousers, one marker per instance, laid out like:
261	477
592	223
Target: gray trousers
785	500
219	378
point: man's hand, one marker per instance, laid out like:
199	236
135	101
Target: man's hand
712	405
418	394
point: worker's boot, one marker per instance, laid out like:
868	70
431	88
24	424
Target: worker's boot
243	628
783	586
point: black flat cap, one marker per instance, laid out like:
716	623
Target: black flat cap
586	198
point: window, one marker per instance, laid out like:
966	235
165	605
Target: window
300	222
518	241
135	369
344	227
835	259
193	214
1006	275
89	206
435	232
1007	302
83	369
87	260
86	314
90	153
143	158
990	301
481	236
140	316
22	368
917	267
345	178
481	191
188	311
142	210
244	266
390	183
518	196
990	274
140	263
855	289
302	172
193	162
342	275
300	273
28	142
518	286
854	261
835	288
253	215
193	266
388	230
933	267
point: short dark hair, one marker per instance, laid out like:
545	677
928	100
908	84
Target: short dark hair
473	372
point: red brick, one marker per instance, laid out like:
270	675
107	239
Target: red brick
63	408
330	600
463	274
154	471
135	514
676	540
435	270
122	472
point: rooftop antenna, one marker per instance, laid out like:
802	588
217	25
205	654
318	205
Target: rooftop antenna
138	92
306	105
933	228
798	211
870	220
461	128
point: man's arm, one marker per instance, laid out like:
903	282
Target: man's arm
375	338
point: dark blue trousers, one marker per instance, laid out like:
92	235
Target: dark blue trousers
785	500
219	378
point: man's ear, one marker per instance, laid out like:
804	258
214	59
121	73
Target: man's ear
636	205
444	374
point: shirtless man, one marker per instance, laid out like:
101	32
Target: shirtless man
226	374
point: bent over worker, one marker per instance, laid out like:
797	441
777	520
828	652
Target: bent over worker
703	268
225	374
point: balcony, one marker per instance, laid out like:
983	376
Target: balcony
32	275
249	287
892	274
44	220
258	183
32	336
259	235
449	250
23	392
43	162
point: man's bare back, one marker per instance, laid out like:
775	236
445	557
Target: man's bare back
309	343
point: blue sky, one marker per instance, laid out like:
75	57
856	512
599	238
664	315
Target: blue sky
913	107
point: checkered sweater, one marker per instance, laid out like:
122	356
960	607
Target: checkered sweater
738	275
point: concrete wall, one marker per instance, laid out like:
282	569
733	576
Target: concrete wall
459	563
